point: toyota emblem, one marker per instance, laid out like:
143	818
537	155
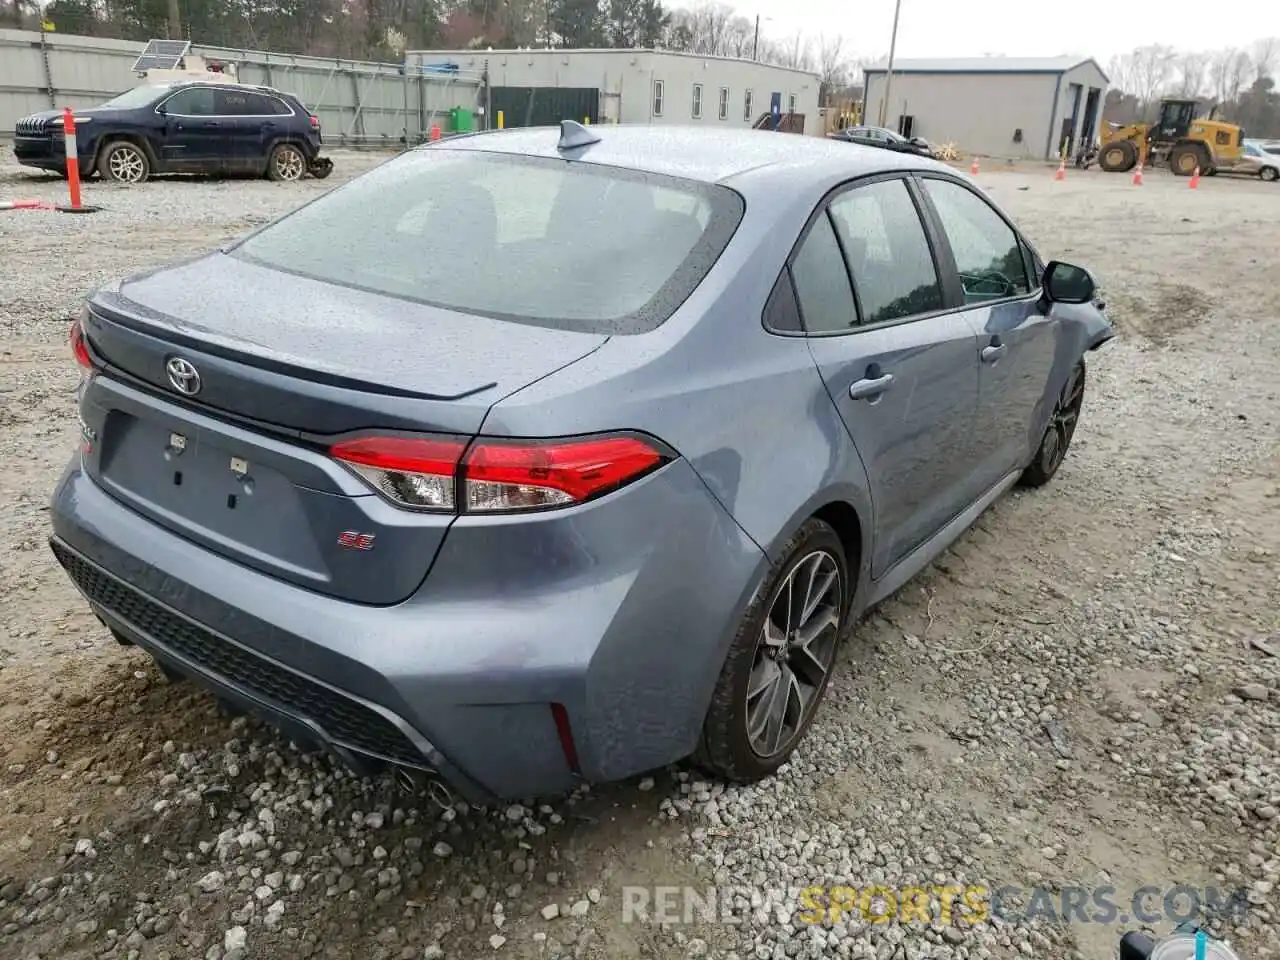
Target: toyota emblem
183	376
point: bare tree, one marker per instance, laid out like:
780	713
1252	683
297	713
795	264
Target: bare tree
833	67
1151	68
1191	69
1228	72
1264	54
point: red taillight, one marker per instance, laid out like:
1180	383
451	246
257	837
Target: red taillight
497	476
315	122
78	348
504	475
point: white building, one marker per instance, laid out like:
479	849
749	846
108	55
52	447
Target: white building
1019	107
542	86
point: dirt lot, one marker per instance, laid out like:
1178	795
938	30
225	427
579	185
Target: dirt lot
1078	695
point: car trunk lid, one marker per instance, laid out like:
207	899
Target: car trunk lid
285	366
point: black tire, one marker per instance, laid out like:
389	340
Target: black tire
123	161
1270	174
286	162
1184	158
726	747
1057	435
1118	157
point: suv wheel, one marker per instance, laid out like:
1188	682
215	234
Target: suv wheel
779	663
124	162
286	163
1269	173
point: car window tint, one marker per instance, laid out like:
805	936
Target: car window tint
582	247
822	283
987	253
887	251
191	102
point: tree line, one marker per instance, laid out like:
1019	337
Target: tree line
383	29
1238	84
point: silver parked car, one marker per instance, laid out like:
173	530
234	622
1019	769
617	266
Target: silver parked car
1258	159
549	454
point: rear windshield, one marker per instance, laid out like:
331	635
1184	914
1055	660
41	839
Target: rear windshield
556	243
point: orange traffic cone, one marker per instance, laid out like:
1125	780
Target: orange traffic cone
1062	170
1137	175
973	167
1195	178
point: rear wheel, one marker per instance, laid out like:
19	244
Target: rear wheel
1118	157
1184	158
1057	435
286	163
124	162
781	659
1269	173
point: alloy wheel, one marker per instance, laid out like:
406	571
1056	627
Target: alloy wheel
794	654
1062	425
127	165
289	164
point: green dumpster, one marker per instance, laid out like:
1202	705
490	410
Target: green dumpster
461	120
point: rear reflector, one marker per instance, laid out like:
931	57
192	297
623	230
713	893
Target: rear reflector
497	476
78	348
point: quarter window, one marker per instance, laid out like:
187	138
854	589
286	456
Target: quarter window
724	103
887	251
987	252
697	101
822	282
657	98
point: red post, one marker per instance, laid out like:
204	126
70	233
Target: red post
73	158
435	131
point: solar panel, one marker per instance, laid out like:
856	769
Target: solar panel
162	55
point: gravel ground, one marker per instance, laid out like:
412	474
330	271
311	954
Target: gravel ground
1079	693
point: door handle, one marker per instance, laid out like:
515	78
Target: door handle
871	387
994	352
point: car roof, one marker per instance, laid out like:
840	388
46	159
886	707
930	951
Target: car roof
710	156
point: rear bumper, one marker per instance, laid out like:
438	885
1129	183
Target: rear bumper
621	622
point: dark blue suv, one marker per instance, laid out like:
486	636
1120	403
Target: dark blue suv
186	127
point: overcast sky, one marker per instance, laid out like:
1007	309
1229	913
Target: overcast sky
971	28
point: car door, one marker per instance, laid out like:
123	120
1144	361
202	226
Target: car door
899	367
190	140
1017	334
249	120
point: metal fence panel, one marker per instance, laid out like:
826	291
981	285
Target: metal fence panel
358	102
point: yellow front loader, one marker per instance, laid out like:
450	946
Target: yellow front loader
1179	138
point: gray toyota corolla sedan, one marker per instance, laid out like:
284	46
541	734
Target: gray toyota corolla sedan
550	454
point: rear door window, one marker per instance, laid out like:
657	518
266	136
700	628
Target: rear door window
887	250
569	245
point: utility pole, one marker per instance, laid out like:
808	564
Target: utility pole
755	44
888	74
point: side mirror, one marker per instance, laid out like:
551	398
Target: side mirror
1067	283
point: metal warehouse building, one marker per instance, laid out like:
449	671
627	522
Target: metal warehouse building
539	86
994	106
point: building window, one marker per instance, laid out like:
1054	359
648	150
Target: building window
724	103
657	98
746	106
697	101
791	103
